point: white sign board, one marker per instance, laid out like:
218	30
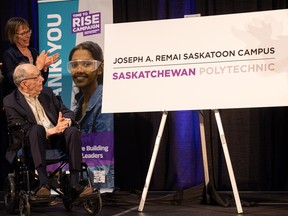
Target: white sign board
225	61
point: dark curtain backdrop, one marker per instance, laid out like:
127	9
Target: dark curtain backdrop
257	138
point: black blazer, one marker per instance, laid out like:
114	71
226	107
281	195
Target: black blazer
18	111
12	57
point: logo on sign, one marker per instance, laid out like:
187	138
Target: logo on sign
87	23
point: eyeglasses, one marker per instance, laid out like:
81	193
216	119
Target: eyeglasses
32	78
89	65
29	32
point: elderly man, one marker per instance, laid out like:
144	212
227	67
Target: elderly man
48	124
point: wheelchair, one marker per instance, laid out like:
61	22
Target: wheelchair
22	183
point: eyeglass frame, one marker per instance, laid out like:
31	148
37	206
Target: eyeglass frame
29	32
97	63
32	78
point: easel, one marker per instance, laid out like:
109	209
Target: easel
204	154
153	159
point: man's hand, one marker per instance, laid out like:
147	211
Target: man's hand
62	124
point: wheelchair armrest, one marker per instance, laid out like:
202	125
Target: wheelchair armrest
16	135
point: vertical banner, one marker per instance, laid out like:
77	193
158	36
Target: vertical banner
62	25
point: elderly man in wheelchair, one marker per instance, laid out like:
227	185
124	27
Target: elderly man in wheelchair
41	123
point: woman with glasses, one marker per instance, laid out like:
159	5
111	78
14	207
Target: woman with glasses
86	67
19	33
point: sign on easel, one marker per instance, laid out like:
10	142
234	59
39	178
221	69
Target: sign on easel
224	61
214	62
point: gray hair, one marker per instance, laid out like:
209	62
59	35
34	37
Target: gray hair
19	74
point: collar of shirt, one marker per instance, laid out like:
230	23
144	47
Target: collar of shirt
28	96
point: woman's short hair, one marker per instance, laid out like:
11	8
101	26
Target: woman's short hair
12	27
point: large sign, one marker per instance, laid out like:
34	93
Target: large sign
224	61
62	25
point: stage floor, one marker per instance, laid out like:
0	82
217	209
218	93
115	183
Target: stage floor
165	204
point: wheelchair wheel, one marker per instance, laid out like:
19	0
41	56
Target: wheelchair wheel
24	205
67	202
10	196
93	205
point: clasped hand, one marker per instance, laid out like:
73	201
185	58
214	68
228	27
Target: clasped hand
61	126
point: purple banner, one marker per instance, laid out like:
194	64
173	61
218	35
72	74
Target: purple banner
97	146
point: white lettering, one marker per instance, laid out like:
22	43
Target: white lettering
54	35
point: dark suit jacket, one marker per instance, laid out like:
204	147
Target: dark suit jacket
12	57
18	111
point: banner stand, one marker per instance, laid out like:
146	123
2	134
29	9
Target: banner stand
153	160
204	154
228	161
